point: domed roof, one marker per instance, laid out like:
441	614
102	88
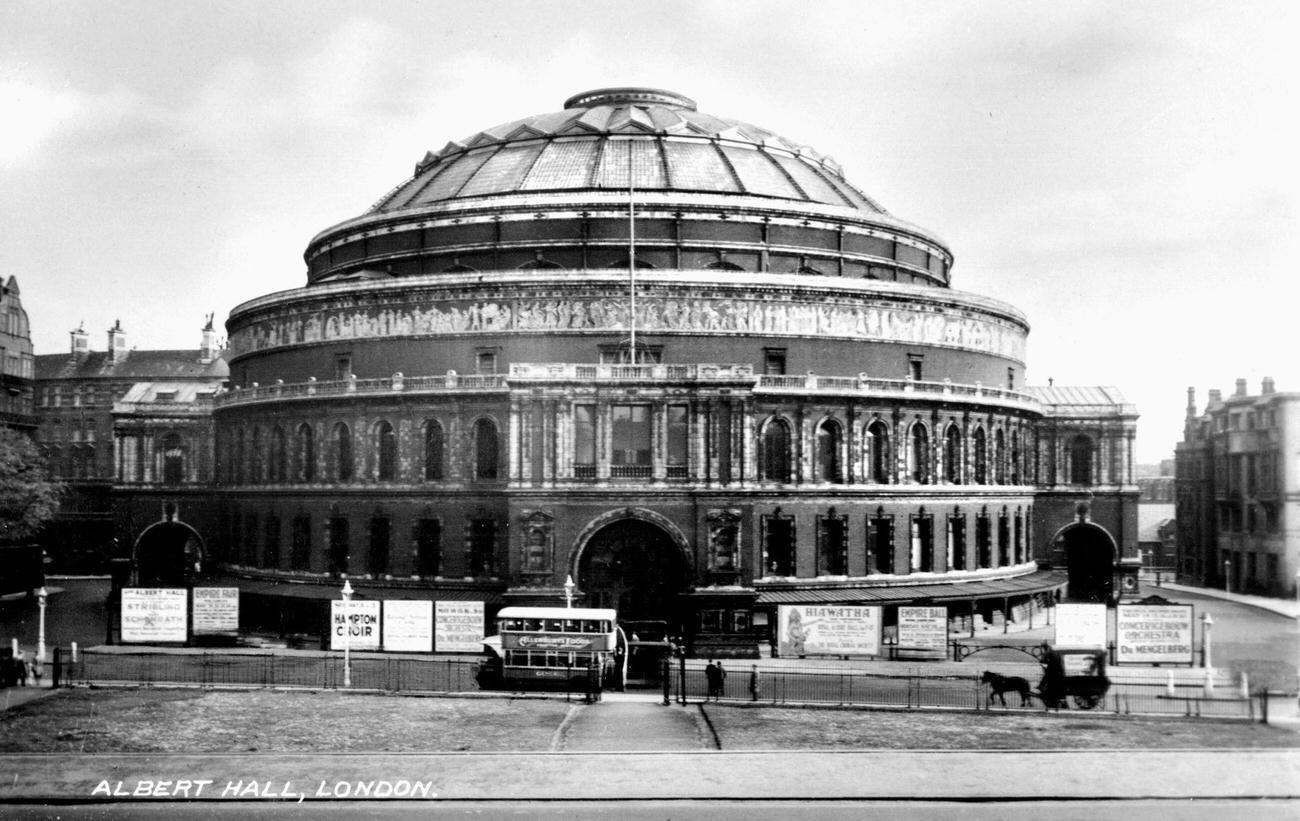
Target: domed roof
591	143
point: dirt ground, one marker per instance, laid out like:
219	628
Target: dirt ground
197	721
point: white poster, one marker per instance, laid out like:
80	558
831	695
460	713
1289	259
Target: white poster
154	614
809	630
362	624
459	627
408	626
923	631
216	610
1153	634
1081	625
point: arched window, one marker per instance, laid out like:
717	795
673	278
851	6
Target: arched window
981	457
386	452
539	264
1081	460
999	457
1015	458
621	264
277	460
239	470
952	455
486	454
775	463
878	455
304	454
257	459
173	459
828	452
432	451
918	455
342	453
723	265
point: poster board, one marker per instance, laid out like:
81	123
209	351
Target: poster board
1154	634
216	610
155	615
812	630
408	626
362	624
923	631
1081	625
458	626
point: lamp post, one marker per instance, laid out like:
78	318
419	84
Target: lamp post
42	596
347	633
1297	619
1206	624
568	591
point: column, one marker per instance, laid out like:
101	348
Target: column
604	439
658	441
515	444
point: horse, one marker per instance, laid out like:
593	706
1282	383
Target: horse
999	685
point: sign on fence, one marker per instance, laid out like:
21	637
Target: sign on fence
154	614
1080	625
923	631
1153	634
362	624
408	626
216	610
808	630
459	626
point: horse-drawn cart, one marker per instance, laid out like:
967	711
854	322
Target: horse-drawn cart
1074	673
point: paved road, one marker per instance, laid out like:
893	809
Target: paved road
731	810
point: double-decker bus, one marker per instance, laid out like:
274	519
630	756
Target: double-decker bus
556	645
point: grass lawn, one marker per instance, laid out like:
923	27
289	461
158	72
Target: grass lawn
778	728
197	721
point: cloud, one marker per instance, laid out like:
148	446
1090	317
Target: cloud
32	114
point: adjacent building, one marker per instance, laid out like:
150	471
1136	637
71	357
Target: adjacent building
1238	491
111	424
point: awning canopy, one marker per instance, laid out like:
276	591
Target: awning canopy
332	591
1040	582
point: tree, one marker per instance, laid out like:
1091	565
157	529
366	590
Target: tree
28	498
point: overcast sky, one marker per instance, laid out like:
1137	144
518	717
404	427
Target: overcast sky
1123	173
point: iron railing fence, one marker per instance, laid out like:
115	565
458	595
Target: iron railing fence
315	671
918	689
911	688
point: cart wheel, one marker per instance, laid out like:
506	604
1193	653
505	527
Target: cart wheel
1088	701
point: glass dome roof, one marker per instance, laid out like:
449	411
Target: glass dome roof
600	136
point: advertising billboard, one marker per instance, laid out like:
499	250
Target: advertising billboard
815	630
1081	625
458	626
216	610
361	622
408	626
923	631
1154	634
152	615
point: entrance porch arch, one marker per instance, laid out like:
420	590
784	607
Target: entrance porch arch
168	553
635	561
1090	553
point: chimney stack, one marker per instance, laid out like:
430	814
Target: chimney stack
208	345
80	342
1241	388
1216	396
116	342
1191	403
1267	387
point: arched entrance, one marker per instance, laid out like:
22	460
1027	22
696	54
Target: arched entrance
1089	562
633	565
168	553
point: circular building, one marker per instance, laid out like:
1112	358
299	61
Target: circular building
674	356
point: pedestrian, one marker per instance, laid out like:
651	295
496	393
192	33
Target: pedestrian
722	680
713	674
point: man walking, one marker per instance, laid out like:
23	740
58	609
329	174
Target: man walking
715	675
